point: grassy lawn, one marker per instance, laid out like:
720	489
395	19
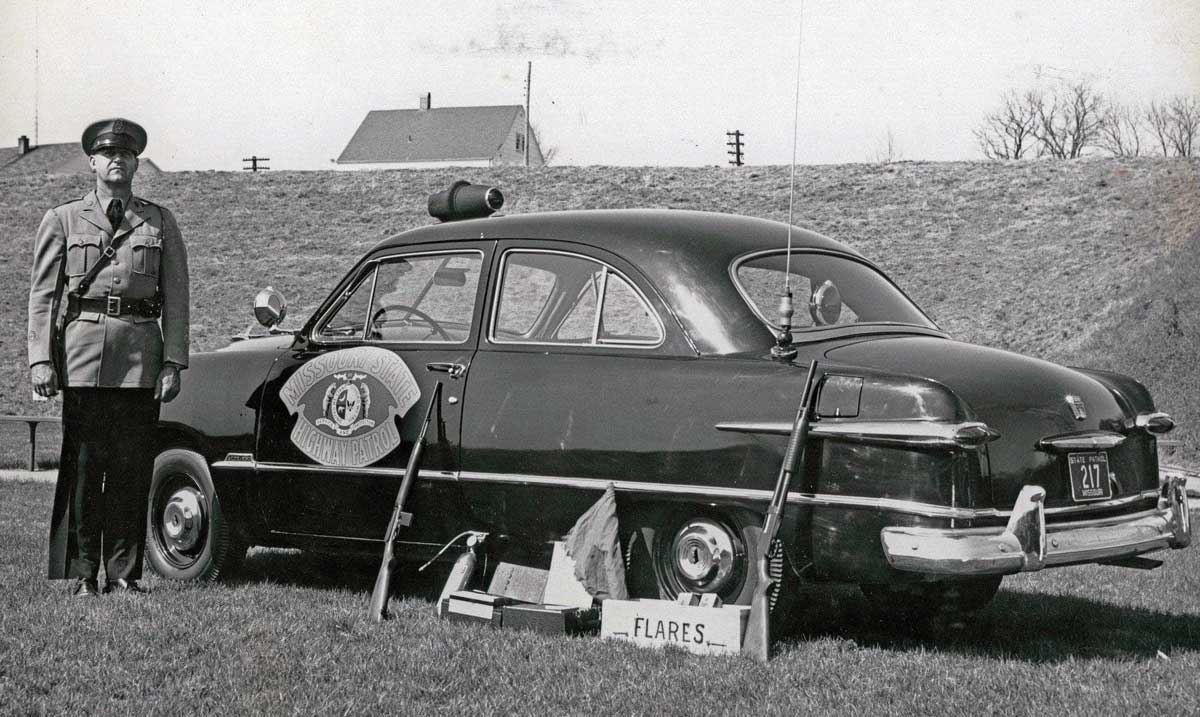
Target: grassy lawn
291	635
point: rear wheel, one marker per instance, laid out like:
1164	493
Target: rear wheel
672	551
187	536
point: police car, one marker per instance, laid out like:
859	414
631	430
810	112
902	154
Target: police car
643	349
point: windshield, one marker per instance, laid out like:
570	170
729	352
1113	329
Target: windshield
827	290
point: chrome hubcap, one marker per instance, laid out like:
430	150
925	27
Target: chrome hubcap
705	555
183	519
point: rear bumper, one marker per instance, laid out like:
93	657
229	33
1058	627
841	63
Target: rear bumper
1028	544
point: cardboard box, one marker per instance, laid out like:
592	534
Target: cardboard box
657	623
551	619
495	620
519	581
475	606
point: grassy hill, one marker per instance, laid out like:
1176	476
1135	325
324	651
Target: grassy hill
1088	263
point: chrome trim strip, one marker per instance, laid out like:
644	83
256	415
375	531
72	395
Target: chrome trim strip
600	484
1091	440
912	434
772	428
268	466
891	505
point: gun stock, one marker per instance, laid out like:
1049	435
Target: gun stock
757	642
400	518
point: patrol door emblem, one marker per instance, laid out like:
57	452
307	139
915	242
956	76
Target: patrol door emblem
346	404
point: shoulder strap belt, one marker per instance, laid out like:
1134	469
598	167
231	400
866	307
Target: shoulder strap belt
105	256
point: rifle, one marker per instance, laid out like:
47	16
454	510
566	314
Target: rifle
757	642
400	518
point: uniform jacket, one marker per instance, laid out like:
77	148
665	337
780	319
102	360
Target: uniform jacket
99	349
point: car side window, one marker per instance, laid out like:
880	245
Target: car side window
412	299
548	297
351	317
625	317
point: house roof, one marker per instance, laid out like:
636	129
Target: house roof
439	134
62	158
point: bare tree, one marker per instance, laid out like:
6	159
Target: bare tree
1120	131
1068	123
1158	119
888	150
1008	132
1175	125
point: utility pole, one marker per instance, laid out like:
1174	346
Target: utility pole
255	163
735	141
37	46
528	80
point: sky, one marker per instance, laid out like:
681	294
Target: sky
625	82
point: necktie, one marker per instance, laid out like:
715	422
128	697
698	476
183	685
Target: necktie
116	214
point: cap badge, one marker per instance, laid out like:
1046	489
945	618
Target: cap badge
118	127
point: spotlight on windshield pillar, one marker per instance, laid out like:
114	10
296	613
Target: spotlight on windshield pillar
464	200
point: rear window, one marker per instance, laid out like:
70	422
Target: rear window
827	290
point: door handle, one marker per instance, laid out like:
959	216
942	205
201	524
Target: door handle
454	369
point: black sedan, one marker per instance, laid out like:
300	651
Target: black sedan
643	349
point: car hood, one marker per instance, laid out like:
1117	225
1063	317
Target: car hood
1022	398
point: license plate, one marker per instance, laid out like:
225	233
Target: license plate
1089	476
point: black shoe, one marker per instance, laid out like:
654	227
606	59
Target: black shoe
123	586
85	588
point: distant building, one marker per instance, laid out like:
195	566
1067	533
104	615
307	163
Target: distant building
428	138
62	158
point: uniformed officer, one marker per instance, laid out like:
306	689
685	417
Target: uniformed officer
108	323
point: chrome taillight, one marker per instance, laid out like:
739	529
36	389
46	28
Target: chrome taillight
973	435
1158	422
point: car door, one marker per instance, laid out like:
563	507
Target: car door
582	378
342	410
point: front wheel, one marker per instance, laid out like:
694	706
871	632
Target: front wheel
187	536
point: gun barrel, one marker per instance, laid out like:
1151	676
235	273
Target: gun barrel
383	581
757	642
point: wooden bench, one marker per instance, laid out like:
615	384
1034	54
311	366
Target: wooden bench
33	422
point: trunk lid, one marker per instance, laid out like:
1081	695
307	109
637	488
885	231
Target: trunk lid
1025	400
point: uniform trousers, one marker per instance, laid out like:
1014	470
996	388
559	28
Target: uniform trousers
108	450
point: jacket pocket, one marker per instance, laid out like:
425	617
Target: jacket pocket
83	251
147	251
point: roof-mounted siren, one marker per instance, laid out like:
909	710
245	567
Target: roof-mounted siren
464	200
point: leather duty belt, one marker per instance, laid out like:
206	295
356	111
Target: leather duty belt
114	306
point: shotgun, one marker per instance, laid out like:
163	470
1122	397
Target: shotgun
757	642
400	518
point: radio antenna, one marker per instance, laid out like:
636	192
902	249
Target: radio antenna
783	348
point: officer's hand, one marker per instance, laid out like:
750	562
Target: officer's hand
45	382
168	384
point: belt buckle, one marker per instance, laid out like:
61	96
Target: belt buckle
114	306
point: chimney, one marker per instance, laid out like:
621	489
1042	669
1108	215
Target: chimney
22	145
426	101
